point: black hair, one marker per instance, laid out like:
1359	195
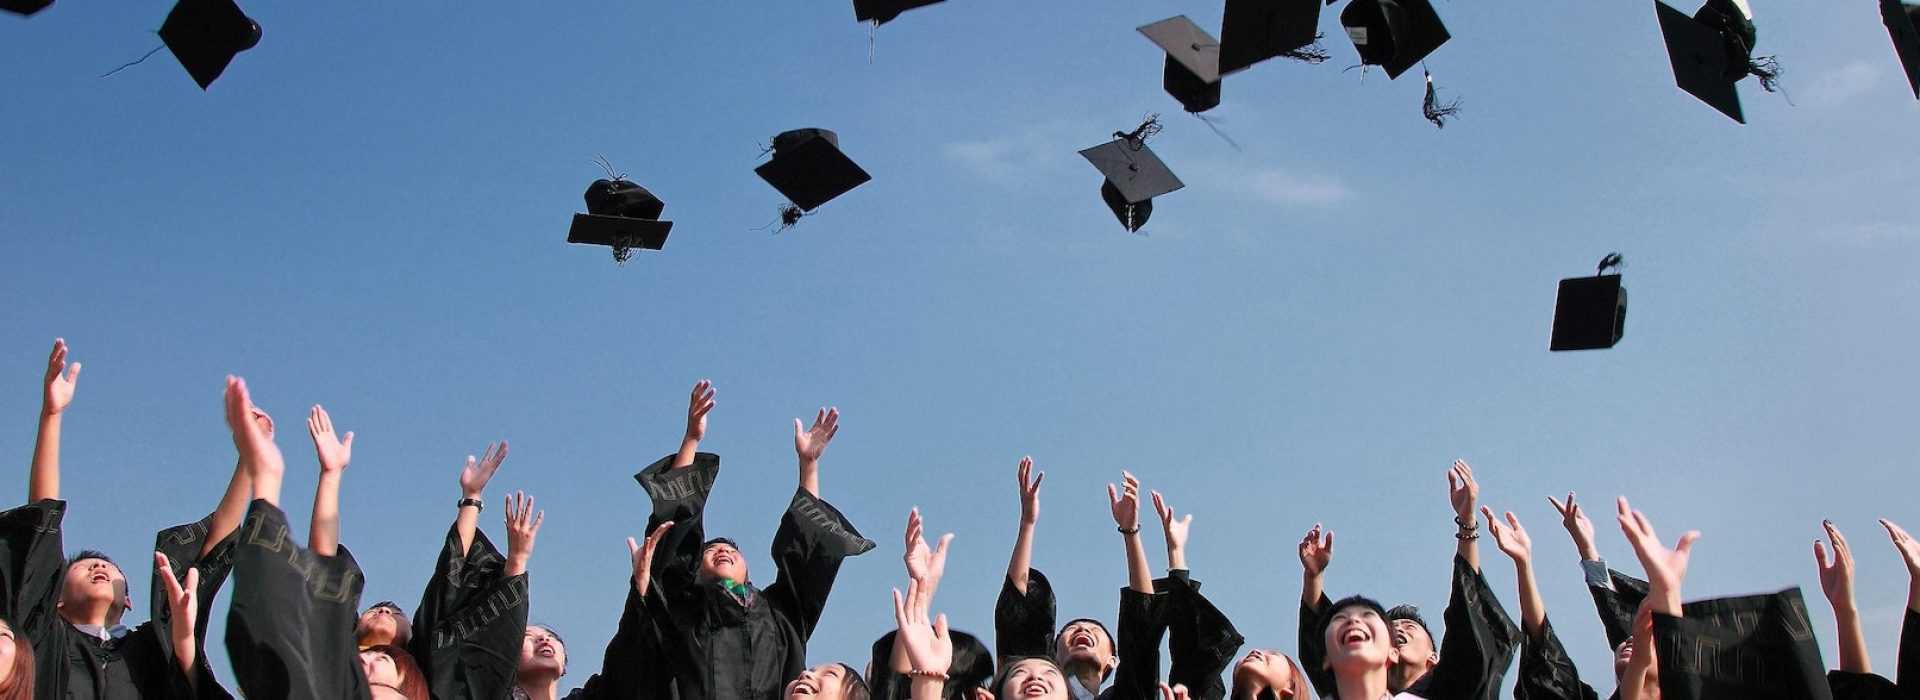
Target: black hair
96	554
856	684
1326	618
1409	612
1006	669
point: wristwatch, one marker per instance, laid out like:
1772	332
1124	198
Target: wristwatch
475	502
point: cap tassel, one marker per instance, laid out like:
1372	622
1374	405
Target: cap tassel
134	62
1613	260
1137	138
1312	53
1436	111
622	251
873	30
1767	69
1214	124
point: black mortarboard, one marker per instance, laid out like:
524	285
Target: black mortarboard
1252	31
623	215
1192	73
1713	50
206	34
24	7
1591	312
1902	20
883	11
809	169
1134	175
1393	34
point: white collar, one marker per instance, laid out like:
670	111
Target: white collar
101	632
1080	692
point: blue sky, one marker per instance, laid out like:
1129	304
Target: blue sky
369	211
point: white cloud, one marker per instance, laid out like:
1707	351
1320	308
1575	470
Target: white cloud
1276	186
991	159
1844	83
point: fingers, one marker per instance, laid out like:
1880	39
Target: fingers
633	549
940	552
192	587
1166	692
1160	508
1313	536
1686	542
538	520
1329	545
1820	556
899	609
913	527
1025	473
1112	495
165	570
73	373
1557	507
57	359
1512	522
940	627
1840	547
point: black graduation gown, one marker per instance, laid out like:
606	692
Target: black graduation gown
1757	647
290	625
723	647
1201	640
1546	672
1872	686
630	669
1025	626
471	622
1479	643
72	664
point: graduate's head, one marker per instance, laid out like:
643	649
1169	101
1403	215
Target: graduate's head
384	623
1357	636
392	673
1418	653
720	559
95	590
835	681
1085	643
1030	678
543	654
16	664
1267	673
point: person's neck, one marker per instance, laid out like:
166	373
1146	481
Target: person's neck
540	688
1370	685
1403	676
1088	674
374	638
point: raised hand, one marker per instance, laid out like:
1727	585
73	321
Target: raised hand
1029	492
925	564
1574	519
698	405
810	443
1836	572
1511	537
183	604
1909	548
924	637
1316	551
1173	692
1666	568
523	526
475	475
1175	530
253	439
1463	492
60	380
1125	501
334	452
643	555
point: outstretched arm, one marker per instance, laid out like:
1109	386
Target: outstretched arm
1022	560
1126	516
1463	492
1909	549
1513	540
323	536
642	556
1836	580
1175	530
473	490
182	602
43	482
697	408
253	439
810	443
523	526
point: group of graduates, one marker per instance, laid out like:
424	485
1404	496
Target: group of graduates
695	627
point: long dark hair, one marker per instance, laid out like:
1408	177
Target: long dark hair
19	682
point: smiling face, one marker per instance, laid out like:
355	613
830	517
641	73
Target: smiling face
1358	640
823	682
9	650
1033	679
1414	643
542	654
1084	642
721	560
92	582
382	624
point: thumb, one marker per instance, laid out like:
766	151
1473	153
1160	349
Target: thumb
193	582
349	441
940	626
633	548
73	373
797	430
1686	542
1184	522
1113	497
1820	555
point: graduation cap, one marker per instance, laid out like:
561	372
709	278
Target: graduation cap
1901	20
1591	312
809	170
1712	50
1252	31
206	34
1134	175
623	215
1394	34
24	7
883	11
1192	73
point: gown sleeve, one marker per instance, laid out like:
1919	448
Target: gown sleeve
1023	624
1313	646
813	539
1757	647
471	621
1201	640
679	495
630	669
1907	673
1479	643
290	623
1546	672
32	563
1143	623
183	545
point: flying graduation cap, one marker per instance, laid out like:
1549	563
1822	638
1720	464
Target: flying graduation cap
1713	50
1192	73
883	11
206	34
1590	312
809	170
1902	20
24	8
1393	34
1252	31
622	215
1134	175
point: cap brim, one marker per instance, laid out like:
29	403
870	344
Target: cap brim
883	11
1187	44
1256	30
1138	173
1699	58
812	173
594	229
24	8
